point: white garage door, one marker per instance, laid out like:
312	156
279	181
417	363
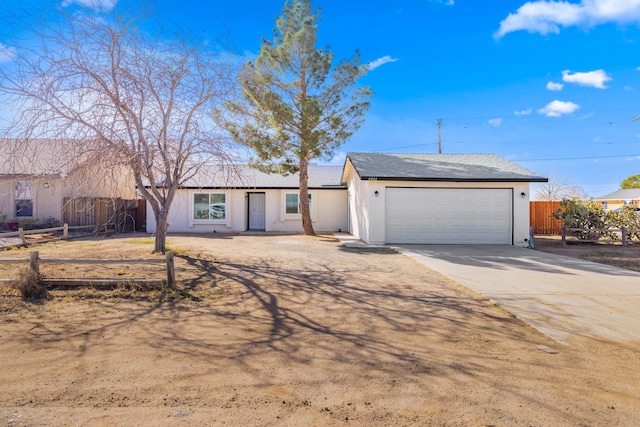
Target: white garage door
449	216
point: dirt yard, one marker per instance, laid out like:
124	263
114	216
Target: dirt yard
617	255
292	331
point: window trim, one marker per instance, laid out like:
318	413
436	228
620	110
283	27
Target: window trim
32	184
212	221
297	215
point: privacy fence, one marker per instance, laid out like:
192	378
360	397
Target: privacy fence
109	214
541	220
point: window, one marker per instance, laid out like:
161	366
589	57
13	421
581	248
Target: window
209	206
605	205
24	198
292	204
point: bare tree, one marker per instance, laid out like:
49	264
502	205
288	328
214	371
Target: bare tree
109	92
558	188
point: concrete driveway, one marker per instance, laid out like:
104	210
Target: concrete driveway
560	296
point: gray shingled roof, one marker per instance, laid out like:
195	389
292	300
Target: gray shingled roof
245	177
628	194
440	167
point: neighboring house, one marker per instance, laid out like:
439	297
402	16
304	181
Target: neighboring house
620	198
34	181
379	198
244	199
438	198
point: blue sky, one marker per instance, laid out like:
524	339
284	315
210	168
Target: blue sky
551	85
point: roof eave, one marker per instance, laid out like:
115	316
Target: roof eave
417	179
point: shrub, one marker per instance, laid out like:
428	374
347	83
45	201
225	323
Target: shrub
26	224
49	222
629	219
30	284
590	218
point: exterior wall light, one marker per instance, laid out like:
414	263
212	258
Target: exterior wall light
523	194
46	184
376	193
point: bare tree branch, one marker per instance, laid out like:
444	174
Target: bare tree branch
108	93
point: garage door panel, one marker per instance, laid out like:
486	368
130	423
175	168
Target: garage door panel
448	216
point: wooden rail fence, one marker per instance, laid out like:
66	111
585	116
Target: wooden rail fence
624	232
65	232
34	262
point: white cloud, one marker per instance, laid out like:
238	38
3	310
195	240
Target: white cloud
595	78
381	61
105	5
338	159
554	86
523	112
628	88
495	122
545	16
558	108
7	54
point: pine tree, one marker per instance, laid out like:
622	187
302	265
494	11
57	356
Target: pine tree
297	106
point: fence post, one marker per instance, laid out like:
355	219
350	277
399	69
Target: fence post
171	272
564	235
24	240
624	236
531	233
33	261
65	230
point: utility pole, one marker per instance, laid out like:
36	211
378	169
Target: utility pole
439	139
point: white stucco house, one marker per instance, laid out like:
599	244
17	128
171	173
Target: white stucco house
379	198
245	199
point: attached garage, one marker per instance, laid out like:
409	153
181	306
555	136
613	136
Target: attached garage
449	215
437	198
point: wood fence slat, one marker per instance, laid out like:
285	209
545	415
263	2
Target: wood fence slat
541	220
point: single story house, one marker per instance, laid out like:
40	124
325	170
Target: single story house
245	199
35	179
620	198
379	198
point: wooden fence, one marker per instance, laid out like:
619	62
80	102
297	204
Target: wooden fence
622	232
108	214
541	220
34	261
22	234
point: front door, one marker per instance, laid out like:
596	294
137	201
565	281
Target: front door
256	211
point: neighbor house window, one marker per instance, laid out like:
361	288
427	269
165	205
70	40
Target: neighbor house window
605	205
209	206
292	204
24	198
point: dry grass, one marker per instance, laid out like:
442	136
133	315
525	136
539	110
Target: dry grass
30	284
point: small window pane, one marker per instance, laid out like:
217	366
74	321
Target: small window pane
217	206
291	204
201	206
24	208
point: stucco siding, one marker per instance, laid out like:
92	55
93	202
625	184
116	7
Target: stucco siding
328	212
372	230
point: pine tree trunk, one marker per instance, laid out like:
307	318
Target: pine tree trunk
307	226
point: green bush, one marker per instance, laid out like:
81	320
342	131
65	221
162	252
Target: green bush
592	220
629	219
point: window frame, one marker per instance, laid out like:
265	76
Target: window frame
297	214
30	188
210	219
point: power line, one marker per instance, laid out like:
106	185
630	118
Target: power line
579	158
